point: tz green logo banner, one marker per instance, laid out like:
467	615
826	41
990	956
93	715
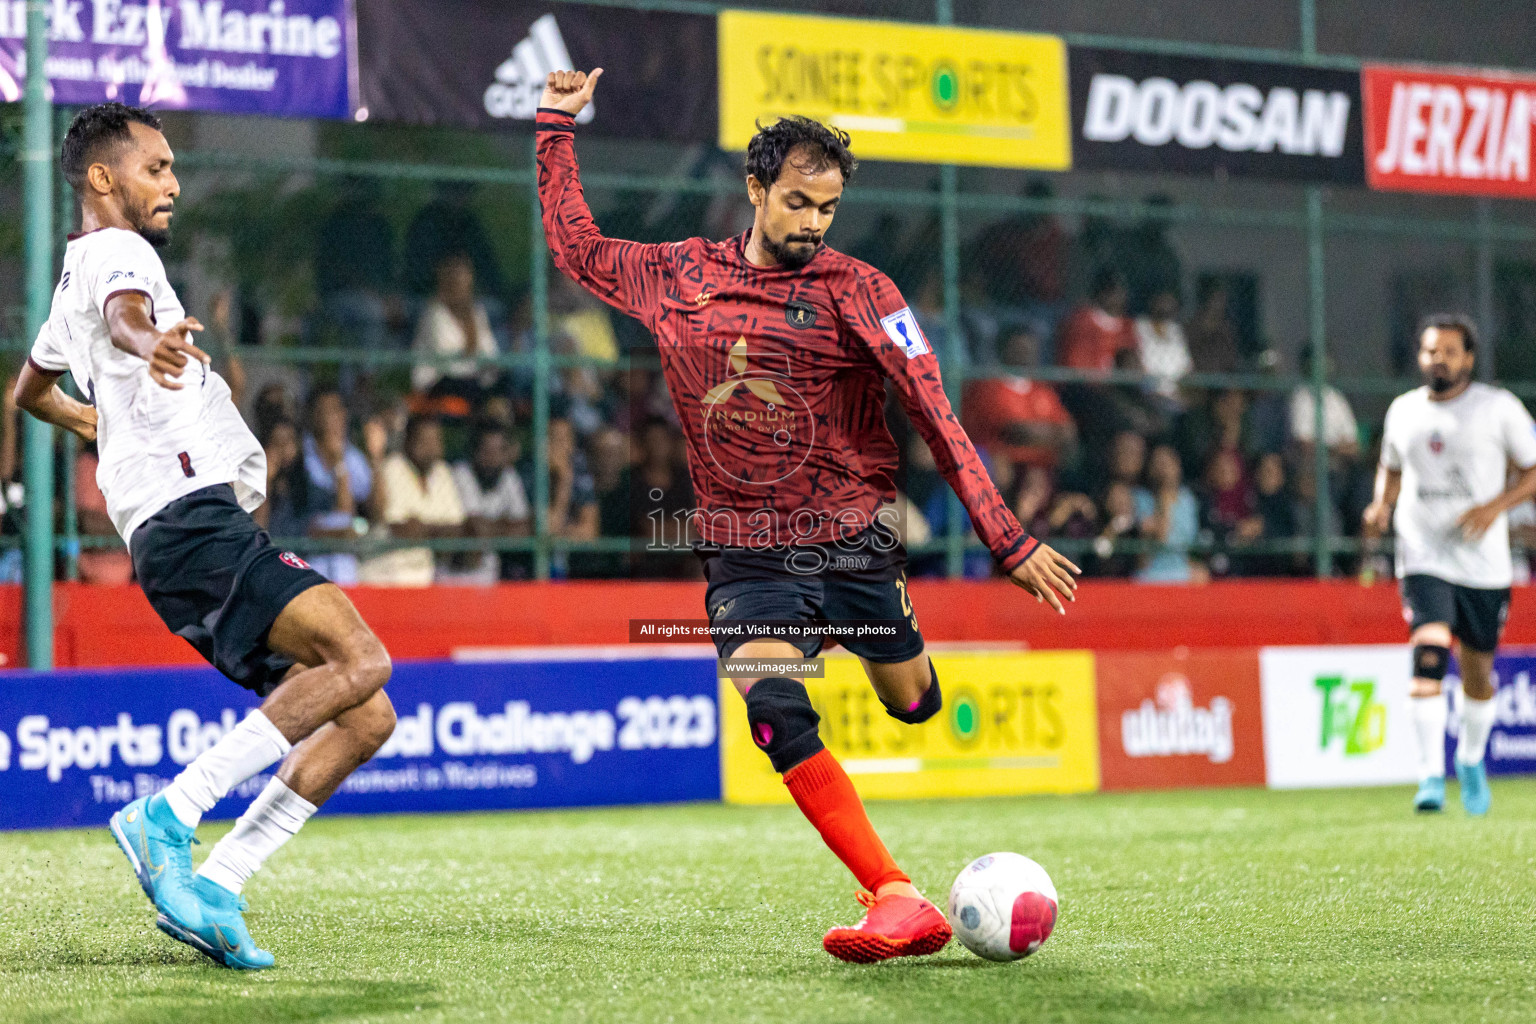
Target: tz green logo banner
1351	715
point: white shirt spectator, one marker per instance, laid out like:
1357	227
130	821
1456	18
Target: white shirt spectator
1164	353
439	333
434	501
1339	425
506	499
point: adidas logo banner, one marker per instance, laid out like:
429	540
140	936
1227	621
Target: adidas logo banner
483	63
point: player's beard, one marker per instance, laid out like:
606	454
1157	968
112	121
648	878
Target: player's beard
794	252
144	224
1441	383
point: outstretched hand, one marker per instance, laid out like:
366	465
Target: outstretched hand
569	91
1048	575
171	352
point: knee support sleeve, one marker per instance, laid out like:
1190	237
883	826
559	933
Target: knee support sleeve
926	707
782	721
1430	661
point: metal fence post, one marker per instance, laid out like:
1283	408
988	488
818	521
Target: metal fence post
1322	548
538	276
951	354
61	229
37	163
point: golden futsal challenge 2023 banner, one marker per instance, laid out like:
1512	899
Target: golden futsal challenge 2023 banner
904	92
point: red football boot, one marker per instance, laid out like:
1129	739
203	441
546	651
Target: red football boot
893	926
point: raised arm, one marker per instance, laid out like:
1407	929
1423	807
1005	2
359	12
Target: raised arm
629	276
880	319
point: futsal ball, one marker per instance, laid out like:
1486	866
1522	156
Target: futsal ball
1003	906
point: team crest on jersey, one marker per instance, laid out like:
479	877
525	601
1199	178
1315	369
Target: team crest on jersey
291	559
801	315
1436	443
901	327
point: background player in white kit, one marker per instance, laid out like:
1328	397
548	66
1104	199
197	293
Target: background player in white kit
1447	452
180	471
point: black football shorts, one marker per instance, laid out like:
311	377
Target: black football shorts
1476	616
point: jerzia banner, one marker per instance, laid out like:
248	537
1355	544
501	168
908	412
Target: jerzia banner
286	58
482	64
76	745
1146	112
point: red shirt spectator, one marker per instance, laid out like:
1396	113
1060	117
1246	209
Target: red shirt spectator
1007	414
1093	337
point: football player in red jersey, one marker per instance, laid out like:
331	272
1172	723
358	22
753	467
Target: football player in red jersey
776	351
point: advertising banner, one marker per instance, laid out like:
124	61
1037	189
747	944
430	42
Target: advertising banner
293	58
1175	719
1337	716
1512	744
1430	131
903	91
1149	112
482	64
1012	723
76	745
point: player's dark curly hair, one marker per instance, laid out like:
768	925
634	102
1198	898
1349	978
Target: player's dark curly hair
1452	322
773	143
93	131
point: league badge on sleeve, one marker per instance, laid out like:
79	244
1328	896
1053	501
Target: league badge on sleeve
901	327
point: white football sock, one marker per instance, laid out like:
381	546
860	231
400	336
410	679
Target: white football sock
268	823
253	745
1429	715
1476	723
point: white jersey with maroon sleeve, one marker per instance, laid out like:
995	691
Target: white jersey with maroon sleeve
155	444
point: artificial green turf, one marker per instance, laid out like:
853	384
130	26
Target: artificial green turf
1238	905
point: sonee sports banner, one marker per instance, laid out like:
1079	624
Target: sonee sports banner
482	64
76	745
285	58
1469	134
1148	112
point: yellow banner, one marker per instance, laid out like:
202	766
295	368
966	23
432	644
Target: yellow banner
1012	723
904	92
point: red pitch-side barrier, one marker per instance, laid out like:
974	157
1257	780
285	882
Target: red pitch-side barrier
115	626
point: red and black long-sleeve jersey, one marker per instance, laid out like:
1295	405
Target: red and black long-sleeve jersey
777	375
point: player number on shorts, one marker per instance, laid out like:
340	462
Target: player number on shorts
906	602
676	723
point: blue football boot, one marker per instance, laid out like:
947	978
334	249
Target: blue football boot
1431	796
223	934
159	847
1475	794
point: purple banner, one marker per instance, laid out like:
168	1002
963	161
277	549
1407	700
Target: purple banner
283	58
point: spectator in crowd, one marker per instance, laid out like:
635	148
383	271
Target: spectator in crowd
1022	258
572	492
609	461
1020	419
420	502
340	482
1229	506
930	497
455	323
106	565
1163	349
1269	416
1098	335
449	225
1213	427
1211	334
283	513
580	323
1045	512
1341	434
1168	514
1127	458
1277	517
661	499
273	403
1304	512
493	497
1117	524
1148	258
355	267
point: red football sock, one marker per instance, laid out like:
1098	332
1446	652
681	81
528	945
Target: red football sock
826	796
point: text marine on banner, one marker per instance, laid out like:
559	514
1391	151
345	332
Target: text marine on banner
1470	134
1170	719
76	745
482	64
904	92
1337	716
1150	112
1012	723
293	58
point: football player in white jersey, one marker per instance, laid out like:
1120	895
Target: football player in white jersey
1447	452
180	472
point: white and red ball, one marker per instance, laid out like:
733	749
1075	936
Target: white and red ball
1003	906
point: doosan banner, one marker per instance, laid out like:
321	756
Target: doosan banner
1469	134
286	58
76	745
482	64
1148	112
